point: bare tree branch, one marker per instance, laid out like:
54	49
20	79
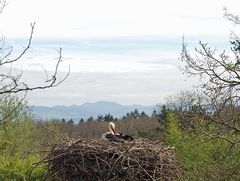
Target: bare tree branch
3	3
231	17
219	75
10	83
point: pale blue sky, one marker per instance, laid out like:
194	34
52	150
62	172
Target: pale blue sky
125	51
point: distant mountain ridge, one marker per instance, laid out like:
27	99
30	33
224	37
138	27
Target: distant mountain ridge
76	112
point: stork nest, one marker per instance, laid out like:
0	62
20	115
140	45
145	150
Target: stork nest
90	159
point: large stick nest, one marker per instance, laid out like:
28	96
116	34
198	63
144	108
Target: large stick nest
89	159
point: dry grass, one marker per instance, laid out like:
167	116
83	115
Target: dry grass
94	159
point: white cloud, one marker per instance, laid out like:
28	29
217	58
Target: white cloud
81	18
133	88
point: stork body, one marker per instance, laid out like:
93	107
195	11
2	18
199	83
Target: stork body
112	135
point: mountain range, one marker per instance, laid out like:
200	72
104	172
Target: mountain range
86	110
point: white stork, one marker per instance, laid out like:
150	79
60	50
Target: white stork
112	135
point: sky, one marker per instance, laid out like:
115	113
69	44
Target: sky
126	51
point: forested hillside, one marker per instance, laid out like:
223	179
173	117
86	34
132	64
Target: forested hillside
201	155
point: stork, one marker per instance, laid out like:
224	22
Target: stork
112	135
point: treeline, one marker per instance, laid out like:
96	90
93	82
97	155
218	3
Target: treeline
133	123
135	114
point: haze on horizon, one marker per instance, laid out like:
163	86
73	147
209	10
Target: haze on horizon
121	51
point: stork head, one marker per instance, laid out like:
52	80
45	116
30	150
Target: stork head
111	127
